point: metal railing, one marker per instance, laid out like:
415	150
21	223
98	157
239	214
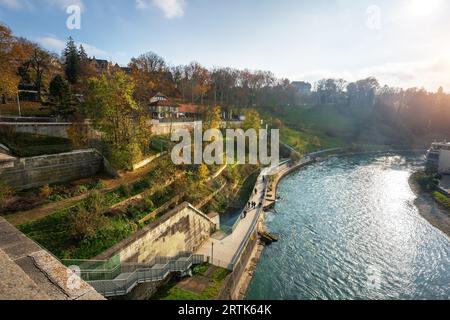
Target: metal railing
124	277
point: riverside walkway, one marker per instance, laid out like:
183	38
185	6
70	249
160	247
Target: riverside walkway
224	252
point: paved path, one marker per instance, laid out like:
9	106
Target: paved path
223	250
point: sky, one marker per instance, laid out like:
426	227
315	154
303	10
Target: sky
403	43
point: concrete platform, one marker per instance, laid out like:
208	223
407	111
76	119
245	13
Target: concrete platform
28	272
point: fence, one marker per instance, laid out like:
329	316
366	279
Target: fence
120	279
238	268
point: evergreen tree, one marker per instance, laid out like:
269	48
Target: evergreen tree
61	97
72	63
82	54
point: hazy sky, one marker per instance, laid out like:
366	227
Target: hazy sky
401	42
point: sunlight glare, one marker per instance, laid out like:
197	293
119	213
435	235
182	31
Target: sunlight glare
423	8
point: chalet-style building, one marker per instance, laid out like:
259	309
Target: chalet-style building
161	107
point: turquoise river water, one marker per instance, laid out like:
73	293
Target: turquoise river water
349	229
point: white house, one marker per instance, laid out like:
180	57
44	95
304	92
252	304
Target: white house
438	157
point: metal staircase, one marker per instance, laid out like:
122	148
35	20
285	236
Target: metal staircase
121	279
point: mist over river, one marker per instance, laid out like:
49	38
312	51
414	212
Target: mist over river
349	229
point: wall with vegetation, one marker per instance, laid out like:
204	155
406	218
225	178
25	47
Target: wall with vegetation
26	173
183	229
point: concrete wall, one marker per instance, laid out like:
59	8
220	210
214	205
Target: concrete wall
60	129
25	173
183	229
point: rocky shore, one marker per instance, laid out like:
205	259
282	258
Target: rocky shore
430	209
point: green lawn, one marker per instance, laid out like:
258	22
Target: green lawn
442	199
30	145
309	129
28	109
170	291
309	141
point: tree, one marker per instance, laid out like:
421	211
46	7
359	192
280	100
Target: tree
61	97
40	64
151	74
13	53
113	111
277	124
213	118
295	156
252	120
203	172
72	63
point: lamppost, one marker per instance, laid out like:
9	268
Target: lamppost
18	104
212	252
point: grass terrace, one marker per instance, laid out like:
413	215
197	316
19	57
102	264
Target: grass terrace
100	220
31	145
205	284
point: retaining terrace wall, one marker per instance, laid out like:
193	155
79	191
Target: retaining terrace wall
58	130
25	173
182	229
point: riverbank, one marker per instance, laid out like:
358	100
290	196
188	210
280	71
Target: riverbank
429	208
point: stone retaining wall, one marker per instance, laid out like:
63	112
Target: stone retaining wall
25	173
182	229
59	129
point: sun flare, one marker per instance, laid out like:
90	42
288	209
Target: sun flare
423	8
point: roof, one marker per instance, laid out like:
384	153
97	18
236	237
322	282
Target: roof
163	103
188	108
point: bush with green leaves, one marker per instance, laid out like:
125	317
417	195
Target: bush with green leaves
89	217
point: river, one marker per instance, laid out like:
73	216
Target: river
349	229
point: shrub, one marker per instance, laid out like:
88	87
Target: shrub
55	198
84	224
82	189
124	190
95	202
203	172
5	191
45	191
428	182
99	185
296	157
78	134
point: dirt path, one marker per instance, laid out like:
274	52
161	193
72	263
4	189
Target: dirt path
430	209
